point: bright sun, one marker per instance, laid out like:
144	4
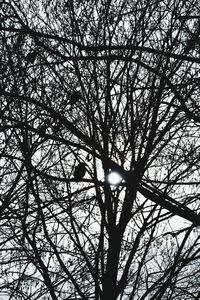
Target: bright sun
114	178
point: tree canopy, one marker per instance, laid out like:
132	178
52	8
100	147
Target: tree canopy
113	85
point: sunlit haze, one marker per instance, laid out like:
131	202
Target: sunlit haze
114	178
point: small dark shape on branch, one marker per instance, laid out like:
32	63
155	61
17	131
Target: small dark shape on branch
80	171
42	129
31	56
74	97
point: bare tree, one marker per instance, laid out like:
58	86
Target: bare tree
89	89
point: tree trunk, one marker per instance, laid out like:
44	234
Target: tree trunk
110	277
